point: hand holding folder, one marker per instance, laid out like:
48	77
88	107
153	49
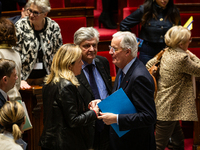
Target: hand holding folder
117	103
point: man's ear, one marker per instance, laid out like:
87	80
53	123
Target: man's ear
4	79
128	52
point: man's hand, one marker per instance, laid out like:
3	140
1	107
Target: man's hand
108	118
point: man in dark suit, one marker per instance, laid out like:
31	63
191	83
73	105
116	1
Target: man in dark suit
138	85
8	77
95	81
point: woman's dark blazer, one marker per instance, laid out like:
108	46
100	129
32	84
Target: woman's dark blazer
66	123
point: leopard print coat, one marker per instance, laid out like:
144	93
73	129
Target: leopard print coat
175	98
28	44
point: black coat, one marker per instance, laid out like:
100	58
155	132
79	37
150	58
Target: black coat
67	124
139	87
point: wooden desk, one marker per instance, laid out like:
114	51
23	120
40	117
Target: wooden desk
33	101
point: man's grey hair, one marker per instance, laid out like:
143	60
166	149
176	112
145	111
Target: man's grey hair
44	5
128	41
85	33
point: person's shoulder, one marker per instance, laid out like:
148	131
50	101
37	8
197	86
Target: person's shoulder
100	58
52	22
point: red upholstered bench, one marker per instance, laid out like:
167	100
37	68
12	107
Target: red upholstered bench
57	3
69	26
109	57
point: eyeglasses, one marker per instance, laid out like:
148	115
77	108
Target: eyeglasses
35	13
114	49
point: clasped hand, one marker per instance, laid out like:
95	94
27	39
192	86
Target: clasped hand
108	118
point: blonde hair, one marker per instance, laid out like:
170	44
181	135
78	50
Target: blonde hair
11	117
177	35
64	58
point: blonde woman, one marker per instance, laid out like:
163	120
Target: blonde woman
67	124
175	97
12	118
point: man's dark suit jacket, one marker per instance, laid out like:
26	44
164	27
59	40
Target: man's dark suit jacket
2	102
102	65
139	87
85	90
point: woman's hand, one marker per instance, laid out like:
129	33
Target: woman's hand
93	103
24	85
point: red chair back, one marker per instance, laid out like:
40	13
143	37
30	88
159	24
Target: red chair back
69	26
109	57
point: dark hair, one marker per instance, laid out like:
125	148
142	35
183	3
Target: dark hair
6	67
150	11
7	32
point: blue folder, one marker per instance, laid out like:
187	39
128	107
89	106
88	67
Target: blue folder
117	103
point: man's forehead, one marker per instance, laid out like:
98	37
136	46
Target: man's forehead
90	41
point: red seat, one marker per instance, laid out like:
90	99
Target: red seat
57	3
69	26
109	57
195	51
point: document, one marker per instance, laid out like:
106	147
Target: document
27	124
117	103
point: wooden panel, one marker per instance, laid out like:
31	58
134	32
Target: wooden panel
33	101
188	7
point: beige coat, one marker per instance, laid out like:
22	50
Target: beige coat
175	98
7	143
8	53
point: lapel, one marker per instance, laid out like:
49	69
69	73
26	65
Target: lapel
127	77
2	99
105	77
83	80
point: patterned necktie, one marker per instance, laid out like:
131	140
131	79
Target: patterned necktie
120	79
93	84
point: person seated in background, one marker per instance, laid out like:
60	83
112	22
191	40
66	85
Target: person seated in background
155	17
8	39
175	98
95	81
24	13
67	123
11	5
38	41
12	118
